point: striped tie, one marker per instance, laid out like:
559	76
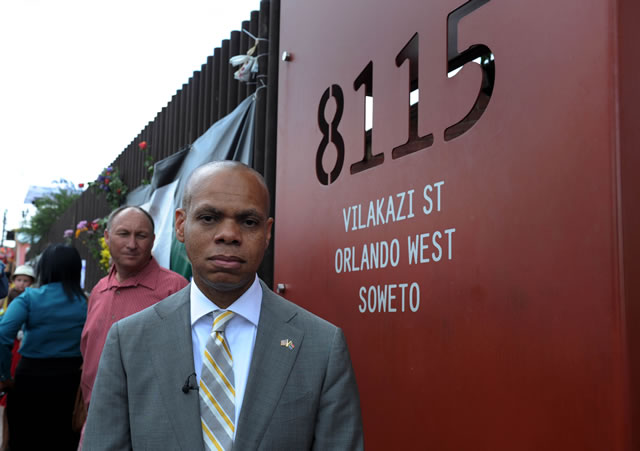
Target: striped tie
217	392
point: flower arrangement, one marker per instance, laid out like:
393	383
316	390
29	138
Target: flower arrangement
111	184
81	227
105	255
90	233
148	163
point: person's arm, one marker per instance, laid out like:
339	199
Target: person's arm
107	426
4	282
13	319
339	421
86	383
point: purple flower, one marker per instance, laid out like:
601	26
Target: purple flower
110	169
82	224
68	233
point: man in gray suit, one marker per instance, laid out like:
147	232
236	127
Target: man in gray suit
292	377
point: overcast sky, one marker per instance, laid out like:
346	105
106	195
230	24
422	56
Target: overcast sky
80	79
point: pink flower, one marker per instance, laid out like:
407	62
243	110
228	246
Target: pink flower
142	145
68	233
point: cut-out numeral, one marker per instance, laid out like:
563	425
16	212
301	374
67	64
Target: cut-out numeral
411	52
415	142
330	134
369	160
456	60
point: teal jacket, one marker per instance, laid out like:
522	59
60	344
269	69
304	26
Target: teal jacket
51	322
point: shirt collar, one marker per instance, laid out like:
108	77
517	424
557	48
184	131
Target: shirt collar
247	305
148	277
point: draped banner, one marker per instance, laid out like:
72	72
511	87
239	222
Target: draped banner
230	138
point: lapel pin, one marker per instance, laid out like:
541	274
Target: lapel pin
287	344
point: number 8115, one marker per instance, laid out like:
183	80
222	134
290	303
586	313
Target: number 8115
415	142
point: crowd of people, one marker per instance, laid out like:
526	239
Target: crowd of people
151	361
52	333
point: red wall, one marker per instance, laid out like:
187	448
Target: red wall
628	134
522	335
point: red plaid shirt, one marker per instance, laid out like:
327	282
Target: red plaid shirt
111	301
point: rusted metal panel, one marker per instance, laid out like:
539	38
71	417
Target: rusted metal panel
181	119
173	136
185	117
194	109
205	95
215	86
259	152
232	86
629	213
487	217
271	124
253	28
245	44
223	80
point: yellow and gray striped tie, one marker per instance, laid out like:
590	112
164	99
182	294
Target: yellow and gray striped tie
217	391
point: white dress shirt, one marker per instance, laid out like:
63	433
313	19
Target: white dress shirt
240	333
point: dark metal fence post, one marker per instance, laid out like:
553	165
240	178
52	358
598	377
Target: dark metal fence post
210	94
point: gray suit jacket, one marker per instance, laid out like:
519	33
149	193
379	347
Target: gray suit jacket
295	399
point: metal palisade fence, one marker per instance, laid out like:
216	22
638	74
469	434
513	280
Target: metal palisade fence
210	94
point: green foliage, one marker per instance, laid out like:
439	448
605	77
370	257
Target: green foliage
48	209
110	183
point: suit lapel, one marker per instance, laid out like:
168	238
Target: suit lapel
270	367
170	344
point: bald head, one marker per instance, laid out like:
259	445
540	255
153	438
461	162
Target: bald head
129	236
215	167
115	213
225	226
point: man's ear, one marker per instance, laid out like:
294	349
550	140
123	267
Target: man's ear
106	237
181	216
269	227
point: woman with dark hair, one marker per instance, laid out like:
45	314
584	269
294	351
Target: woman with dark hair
40	401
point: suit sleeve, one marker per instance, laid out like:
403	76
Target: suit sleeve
339	422
107	425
